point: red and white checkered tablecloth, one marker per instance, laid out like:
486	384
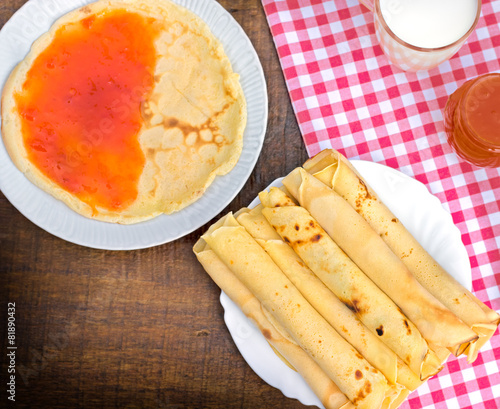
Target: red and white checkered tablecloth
347	96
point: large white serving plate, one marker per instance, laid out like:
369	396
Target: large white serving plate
420	212
16	37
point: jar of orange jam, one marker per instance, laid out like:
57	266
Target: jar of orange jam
472	120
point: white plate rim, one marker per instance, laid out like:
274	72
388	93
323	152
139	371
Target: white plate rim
442	240
33	19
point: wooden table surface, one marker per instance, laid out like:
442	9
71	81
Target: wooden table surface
135	329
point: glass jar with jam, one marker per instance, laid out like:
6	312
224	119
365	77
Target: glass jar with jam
472	120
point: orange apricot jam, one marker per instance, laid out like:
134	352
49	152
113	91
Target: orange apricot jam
81	106
472	120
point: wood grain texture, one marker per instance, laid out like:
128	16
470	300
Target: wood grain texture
135	329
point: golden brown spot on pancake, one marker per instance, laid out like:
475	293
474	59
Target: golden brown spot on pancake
311	223
408	329
284	201
286	239
363	392
171	122
231	261
456	301
194	136
359	356
297	227
358	307
185	128
350	306
394	220
404	255
353	305
358	374
266	333
316	238
367	193
286	286
277	293
300	263
380	330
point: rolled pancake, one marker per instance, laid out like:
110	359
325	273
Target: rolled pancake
185	110
323	387
366	248
333	169
341	318
351	286
366	388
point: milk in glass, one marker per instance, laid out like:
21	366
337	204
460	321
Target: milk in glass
421	34
429	23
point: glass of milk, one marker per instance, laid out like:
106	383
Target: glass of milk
421	34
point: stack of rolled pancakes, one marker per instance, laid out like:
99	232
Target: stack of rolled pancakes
341	289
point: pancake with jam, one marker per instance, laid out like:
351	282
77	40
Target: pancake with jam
125	110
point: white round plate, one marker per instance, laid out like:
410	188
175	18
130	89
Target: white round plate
420	212
16	37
